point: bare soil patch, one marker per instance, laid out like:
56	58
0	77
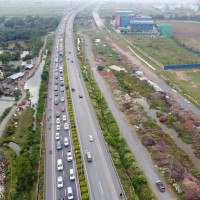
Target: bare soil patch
188	33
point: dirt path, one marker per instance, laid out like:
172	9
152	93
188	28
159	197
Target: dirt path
11	170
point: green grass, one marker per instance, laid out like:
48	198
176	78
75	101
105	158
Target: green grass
24	121
167	51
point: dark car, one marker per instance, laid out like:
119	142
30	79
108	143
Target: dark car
72	61
62	83
80	96
160	186
73	90
57	114
56	82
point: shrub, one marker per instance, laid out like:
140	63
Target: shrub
77	147
82	177
79	166
84	190
83	183
78	160
80	172
75	139
138	180
78	156
85	196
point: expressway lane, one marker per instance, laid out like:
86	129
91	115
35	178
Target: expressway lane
56	90
103	182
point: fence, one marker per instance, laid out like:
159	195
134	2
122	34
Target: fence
181	66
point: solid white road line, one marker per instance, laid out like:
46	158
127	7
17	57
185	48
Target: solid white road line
101	187
94	161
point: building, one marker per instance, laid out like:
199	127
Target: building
120	16
141	25
16	76
30	66
128	19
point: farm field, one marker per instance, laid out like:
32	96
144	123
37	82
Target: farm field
187	33
167	51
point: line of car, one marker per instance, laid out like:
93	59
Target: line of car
61	122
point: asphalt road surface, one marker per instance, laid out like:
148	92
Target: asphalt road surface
129	133
102	179
52	192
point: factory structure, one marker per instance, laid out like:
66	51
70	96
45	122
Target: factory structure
127	19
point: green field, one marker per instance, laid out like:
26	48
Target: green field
167	51
187	32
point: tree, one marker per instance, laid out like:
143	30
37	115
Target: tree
17	94
27	57
9	24
5	57
15	56
18	45
24	173
2	19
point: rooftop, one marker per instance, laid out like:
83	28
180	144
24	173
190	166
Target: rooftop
16	76
141	22
29	66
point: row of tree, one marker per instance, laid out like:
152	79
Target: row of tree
30	29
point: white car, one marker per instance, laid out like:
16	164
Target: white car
60	182
59	165
62	89
58	127
64	118
62	99
71	175
57	120
66	126
57	137
61	78
91	139
66	142
69	156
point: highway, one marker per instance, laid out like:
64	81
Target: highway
129	133
102	180
51	191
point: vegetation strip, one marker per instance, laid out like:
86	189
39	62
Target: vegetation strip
40	116
79	162
5	113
